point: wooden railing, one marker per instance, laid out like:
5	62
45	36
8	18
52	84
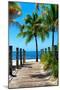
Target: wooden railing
19	56
46	50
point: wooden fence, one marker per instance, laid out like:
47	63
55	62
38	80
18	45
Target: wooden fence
20	54
46	50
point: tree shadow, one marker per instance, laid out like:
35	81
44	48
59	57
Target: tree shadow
40	75
27	65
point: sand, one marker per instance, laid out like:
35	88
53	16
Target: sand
32	75
27	60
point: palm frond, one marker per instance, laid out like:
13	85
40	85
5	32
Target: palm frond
21	34
18	35
29	38
34	16
28	27
28	19
15	23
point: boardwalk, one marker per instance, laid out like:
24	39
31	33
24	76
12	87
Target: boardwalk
31	75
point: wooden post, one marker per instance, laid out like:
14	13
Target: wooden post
55	52
10	60
24	56
17	54
20	56
55	48
45	50
48	49
42	51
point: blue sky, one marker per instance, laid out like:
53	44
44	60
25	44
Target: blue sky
28	8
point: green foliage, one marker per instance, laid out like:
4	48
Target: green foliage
33	26
55	69
43	58
50	14
14	5
50	63
14	11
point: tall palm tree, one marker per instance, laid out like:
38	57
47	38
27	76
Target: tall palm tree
33	28
50	15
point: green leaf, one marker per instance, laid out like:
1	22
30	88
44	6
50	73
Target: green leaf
29	38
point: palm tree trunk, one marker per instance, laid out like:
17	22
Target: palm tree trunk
53	50
36	48
53	39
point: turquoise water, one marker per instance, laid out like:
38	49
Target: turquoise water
29	55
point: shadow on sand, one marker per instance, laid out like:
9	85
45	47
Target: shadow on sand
40	75
27	65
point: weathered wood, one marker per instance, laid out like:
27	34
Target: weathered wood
48	49
55	47
55	52
24	56
17	58
42	51
20	56
10	60
45	50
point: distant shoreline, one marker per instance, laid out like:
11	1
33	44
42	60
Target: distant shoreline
27	60
29	55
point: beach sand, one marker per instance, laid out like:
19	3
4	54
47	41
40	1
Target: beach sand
32	75
27	60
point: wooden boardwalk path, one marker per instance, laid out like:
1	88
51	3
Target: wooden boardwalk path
31	75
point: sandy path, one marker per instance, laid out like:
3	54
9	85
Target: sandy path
31	75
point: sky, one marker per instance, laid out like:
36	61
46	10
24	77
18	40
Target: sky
28	8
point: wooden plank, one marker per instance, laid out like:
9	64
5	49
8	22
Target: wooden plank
10	60
24	56
17	58
20	56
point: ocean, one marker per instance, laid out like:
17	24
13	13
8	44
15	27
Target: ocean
29	55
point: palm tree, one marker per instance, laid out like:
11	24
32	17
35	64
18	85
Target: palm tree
33	28
50	15
14	11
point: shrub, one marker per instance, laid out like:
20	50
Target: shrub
55	70
50	62
43	58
